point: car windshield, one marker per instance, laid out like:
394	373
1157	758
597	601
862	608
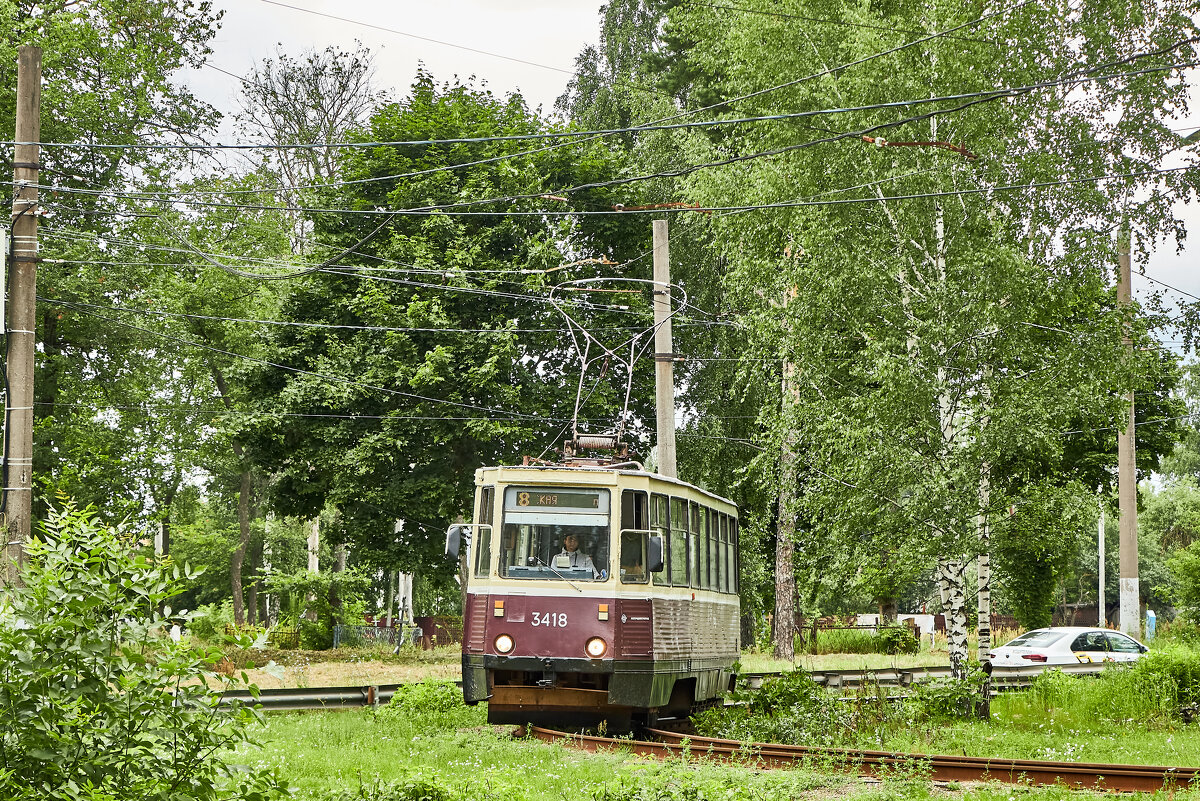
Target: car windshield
1036	639
555	533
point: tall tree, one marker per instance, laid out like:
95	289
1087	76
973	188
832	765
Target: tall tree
108	72
946	318
291	103
428	346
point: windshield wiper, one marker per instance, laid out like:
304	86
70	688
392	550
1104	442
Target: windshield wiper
555	572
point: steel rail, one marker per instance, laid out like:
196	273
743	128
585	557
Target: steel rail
1075	775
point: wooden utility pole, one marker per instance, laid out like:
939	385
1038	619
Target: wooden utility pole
1126	471
664	353
18	487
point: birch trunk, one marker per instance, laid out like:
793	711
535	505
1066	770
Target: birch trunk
984	597
785	572
239	555
950	579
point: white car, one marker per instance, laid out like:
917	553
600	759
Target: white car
1067	645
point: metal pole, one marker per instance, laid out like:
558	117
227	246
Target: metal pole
1103	621
22	322
664	355
1126	472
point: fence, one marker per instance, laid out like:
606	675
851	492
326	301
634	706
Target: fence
365	636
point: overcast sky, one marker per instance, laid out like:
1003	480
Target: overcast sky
514	45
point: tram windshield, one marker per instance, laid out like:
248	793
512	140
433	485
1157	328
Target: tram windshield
555	533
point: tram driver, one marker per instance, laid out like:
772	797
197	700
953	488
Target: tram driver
572	557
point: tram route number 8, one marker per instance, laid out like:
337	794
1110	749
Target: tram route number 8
556	620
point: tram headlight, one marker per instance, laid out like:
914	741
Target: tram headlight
504	644
596	647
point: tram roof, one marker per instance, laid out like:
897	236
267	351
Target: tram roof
566	472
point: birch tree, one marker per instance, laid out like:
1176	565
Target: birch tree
955	222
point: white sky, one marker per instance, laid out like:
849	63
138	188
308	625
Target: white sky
546	33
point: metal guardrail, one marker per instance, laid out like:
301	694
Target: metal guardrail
308	698
291	699
1002	677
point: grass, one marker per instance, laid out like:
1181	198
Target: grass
426	745
325	754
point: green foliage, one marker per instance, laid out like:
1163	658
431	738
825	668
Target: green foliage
315	593
426	697
898	640
787	708
1178	631
947	699
208	622
886	640
1179	664
98	703
412	787
413	411
1184	567
1148	690
677	787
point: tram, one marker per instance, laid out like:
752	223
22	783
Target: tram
597	594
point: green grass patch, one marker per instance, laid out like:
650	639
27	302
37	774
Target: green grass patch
398	754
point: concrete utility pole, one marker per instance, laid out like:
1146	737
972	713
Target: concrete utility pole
664	352
1126	472
1103	616
22	320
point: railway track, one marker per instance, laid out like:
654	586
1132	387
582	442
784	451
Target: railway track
1076	775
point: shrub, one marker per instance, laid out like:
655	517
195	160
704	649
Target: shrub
1181	666
427	696
97	703
208	622
789	708
947	699
898	640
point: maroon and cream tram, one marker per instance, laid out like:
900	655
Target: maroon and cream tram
635	617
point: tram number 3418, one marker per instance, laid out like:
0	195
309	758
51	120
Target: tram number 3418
556	620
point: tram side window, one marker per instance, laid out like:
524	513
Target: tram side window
714	549
483	532
726	556
737	554
633	537
679	542
661	526
700	545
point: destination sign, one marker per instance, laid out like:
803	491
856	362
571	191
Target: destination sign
535	499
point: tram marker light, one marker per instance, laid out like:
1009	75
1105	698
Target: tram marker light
596	647
499	611
602	612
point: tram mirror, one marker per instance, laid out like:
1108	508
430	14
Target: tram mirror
654	555
454	538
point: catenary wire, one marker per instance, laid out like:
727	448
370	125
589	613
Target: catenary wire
388	214
298	370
